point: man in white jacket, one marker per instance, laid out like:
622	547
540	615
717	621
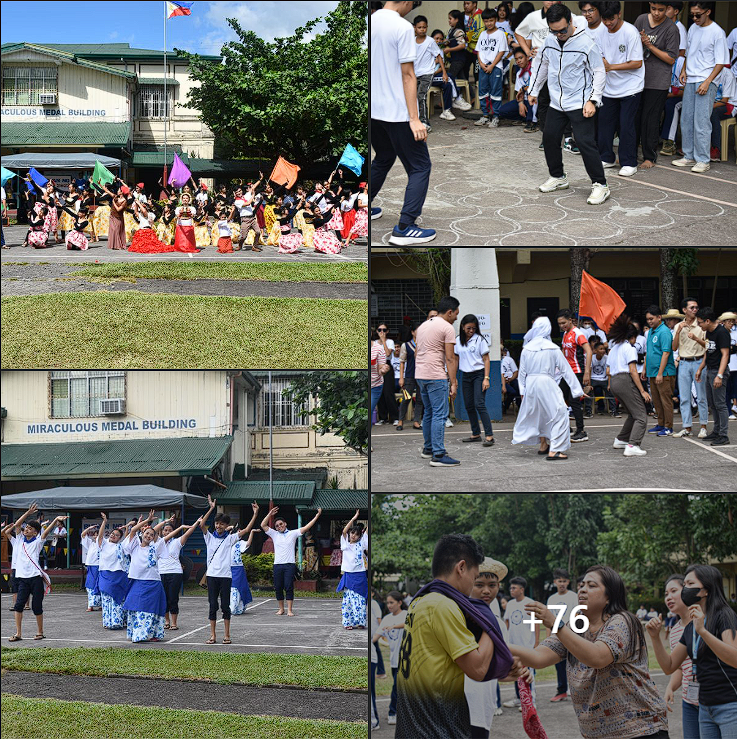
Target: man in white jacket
572	66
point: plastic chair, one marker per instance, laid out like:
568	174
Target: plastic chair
728	123
463	86
430	106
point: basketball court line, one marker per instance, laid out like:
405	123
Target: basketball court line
685	170
687	194
709	449
207	626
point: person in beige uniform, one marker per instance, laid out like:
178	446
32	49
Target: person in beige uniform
690	343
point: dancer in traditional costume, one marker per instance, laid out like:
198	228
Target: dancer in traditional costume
113	576
354	580
184	236
75	238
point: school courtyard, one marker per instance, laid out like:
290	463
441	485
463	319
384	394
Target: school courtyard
671	465
484	192
305	676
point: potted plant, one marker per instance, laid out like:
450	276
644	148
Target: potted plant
308	580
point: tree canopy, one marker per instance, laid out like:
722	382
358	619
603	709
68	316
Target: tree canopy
300	97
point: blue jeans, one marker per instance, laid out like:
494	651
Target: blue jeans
696	121
670	107
435	400
560	670
490	90
375	397
393	700
619	113
474	398
450	91
372	685
687	375
690	721
283	581
718	722
510	111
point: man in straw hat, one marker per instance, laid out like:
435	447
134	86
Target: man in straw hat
690	342
729	321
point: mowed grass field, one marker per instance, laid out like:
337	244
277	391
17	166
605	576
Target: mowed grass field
105	330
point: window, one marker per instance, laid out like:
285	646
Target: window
151	101
285	411
77	393
23	85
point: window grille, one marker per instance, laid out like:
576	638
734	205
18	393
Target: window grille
77	393
24	85
286	413
151	103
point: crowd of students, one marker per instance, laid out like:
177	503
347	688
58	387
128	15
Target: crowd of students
683	363
325	217
588	82
452	642
134	573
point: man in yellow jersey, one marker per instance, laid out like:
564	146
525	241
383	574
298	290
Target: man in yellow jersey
439	647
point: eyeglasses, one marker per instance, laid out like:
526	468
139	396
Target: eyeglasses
382	330
560	33
590	11
697	15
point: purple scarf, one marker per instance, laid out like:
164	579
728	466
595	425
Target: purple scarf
479	619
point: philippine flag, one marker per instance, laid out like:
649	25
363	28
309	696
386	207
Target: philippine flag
179	9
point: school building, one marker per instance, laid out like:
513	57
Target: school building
437	12
195	432
538	279
107	99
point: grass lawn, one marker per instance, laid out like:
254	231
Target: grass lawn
103	330
307	671
268	271
33	717
192	588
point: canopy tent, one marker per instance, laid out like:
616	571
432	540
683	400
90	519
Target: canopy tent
80	160
103	497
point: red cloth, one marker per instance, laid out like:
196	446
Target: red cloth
260	216
184	240
145	242
600	302
530	720
349	218
225	245
284	173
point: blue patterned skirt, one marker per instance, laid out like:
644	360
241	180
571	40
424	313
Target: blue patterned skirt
145	606
240	592
113	615
92	587
355	594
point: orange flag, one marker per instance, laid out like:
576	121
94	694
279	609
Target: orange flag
284	173
600	302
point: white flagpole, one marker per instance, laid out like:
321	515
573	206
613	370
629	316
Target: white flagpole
166	105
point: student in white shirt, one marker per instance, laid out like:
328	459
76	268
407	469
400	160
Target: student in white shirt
91	555
284	560
113	575
520	633
473	361
32	580
672	11
219	575
491	48
429	57
706	55
240	591
354	580
391	630
170	567
396	128
623	56
510	386
569	599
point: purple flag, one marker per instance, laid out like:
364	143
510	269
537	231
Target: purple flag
180	175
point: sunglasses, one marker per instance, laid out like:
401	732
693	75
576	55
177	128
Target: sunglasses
697	15
560	33
382	330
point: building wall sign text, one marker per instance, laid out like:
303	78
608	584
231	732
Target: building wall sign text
87	427
54	112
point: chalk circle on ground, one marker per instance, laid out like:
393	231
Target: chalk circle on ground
588	228
534	213
691	208
542	238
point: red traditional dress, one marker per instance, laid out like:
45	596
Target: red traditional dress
184	236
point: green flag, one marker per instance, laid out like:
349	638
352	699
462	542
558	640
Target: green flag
101	175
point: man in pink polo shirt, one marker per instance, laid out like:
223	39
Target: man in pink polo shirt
435	351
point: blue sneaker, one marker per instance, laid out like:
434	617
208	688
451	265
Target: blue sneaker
411	235
426	454
445	461
656	429
665	432
376	213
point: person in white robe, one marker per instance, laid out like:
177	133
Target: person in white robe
543	416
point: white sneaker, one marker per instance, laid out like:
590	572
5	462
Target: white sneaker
618	444
683	162
681	434
481	121
627	171
494	122
634	451
607	165
703	433
700	167
374	723
599	194
512	703
446	115
554	183
498	712
733	417
379	423
396	423
448	423
392	720
461	104
734	409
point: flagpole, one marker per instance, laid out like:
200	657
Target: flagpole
166	105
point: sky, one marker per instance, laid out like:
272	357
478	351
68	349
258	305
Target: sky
141	24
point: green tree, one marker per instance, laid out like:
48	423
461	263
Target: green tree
433	262
685	262
303	99
341	407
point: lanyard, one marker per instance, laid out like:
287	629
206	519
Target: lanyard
695	643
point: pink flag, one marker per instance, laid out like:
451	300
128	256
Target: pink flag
180	175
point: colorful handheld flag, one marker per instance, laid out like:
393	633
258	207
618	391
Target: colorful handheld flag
352	160
178	9
101	175
38	179
284	173
180	175
6	175
599	302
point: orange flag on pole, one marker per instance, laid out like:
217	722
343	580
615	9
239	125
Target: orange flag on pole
599	302
284	173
